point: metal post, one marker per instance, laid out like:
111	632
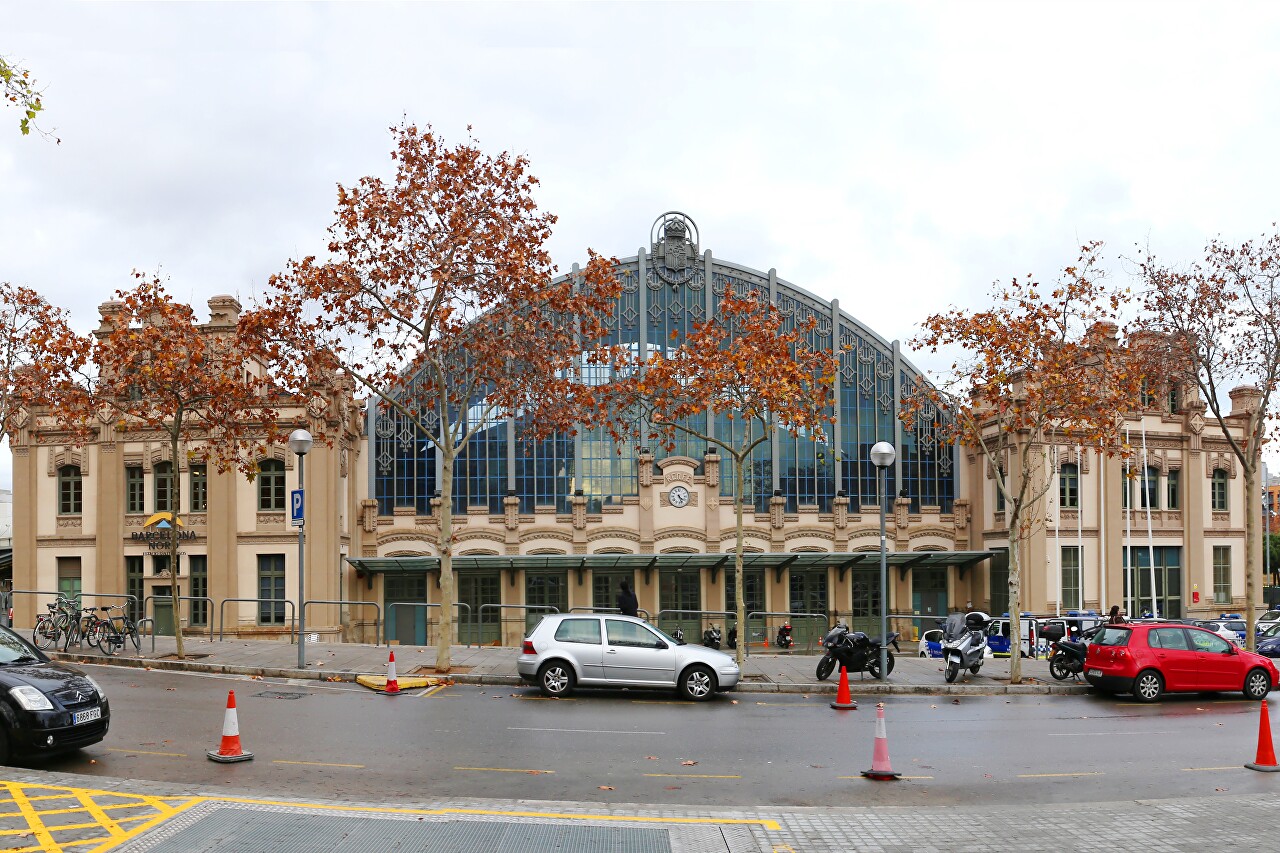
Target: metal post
302	569
884	584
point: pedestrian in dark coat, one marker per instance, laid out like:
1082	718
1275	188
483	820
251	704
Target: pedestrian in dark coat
1114	618
627	601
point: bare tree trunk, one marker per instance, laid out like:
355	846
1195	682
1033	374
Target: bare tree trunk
444	641
174	494
1252	509
739	602
1015	604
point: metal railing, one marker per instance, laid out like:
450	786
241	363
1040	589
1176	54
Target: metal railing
377	620
81	596
177	616
55	594
152	623
768	613
386	626
222	613
527	608
644	613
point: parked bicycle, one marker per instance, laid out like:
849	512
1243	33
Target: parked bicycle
112	632
52	626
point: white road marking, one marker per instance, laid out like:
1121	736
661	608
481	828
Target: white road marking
580	731
1098	734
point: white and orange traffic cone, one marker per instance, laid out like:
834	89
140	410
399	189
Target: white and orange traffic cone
1265	760
844	702
230	750
880	769
393	684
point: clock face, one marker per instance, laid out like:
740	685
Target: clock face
679	496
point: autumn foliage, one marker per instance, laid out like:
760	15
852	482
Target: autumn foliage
439	299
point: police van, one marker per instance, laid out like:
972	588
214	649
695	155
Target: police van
1072	625
998	635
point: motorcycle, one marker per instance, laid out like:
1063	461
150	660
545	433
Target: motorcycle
678	635
784	640
1066	657
964	642
855	651
732	639
711	637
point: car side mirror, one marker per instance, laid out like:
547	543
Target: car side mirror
662	645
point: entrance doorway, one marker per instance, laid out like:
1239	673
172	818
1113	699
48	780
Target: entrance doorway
475	589
408	625
928	595
809	595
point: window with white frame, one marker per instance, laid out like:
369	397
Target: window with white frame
1071	577
1221	574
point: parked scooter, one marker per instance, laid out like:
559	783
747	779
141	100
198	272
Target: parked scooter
678	635
964	642
732	639
711	637
855	651
784	639
1066	657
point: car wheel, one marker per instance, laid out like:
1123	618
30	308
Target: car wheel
1148	686
1257	684
556	679
953	669
825	666
698	683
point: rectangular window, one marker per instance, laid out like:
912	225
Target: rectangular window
1173	498
1069	486
542	592
605	586
1149	488
69	576
1221	574
271	587
70	490
162	474
271	486
160	563
198	565
199	488
133	585
752	590
1218	491
1071	577
135	495
999	492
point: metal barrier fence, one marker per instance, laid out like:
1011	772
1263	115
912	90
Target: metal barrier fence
386	627
152	623
54	594
701	617
293	615
644	614
377	620
81	596
177	616
529	610
768	613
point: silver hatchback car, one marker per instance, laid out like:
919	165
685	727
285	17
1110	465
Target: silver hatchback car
569	649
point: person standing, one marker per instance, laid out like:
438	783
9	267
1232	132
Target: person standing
1114	618
627	601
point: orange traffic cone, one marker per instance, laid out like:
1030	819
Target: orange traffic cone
230	750
1266	758
880	768
844	702
393	686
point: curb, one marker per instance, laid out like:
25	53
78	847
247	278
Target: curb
996	688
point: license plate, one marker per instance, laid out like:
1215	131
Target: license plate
86	716
1096	672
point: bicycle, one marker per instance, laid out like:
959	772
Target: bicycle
81	628
52	625
112	632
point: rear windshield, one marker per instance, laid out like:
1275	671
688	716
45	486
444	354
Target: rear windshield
1112	635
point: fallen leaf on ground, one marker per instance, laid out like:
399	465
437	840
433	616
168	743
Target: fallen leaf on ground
688	763
605	787
171	688
652	757
673	788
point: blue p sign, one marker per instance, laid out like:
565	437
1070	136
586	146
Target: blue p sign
295	503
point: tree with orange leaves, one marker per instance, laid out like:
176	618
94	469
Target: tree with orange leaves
1219	323
1039	368
155	368
439	299
40	357
742	364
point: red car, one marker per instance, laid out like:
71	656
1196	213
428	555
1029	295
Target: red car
1150	659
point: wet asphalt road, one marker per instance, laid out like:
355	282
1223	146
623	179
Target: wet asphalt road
343	741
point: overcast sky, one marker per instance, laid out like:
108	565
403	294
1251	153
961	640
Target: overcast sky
898	156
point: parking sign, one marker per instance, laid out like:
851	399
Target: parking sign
295	503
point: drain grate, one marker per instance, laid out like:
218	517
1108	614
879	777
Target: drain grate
278	694
237	829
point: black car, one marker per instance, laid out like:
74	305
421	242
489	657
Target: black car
1269	642
45	707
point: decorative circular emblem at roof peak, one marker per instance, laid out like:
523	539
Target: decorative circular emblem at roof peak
674	240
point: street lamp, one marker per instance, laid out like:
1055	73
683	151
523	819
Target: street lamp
300	443
882	456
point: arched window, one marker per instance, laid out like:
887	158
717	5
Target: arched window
1069	486
70	490
271	485
1218	491
163	472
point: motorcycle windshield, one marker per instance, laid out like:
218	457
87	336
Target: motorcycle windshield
954	628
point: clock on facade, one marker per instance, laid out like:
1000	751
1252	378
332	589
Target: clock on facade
679	496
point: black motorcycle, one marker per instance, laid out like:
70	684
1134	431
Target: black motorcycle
1066	659
784	640
731	642
711	637
855	651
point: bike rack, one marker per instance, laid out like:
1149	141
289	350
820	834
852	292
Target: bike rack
767	613
396	604
377	620
222	614
527	608
615	610
55	593
177	616
152	623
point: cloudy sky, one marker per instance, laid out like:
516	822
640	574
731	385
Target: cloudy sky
898	156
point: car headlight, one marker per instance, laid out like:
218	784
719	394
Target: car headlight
31	699
96	686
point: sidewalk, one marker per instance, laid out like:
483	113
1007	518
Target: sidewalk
762	673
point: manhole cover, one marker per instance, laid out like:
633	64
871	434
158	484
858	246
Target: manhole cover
278	694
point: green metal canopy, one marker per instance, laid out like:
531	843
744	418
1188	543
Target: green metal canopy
799	561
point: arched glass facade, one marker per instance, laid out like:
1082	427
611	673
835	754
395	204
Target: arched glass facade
871	382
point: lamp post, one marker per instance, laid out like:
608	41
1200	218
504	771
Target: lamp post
300	443
882	456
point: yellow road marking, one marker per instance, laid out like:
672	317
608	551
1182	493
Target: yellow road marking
431	691
505	770
34	824
318	764
117	830
97	813
145	752
900	777
763	823
1056	775
689	776
1232	767
794	704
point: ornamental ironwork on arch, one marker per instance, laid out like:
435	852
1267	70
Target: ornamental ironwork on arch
668	288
